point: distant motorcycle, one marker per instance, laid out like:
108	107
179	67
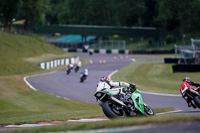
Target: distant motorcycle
90	53
76	69
117	106
69	68
68	71
83	77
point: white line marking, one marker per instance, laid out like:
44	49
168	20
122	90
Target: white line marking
29	125
110	75
160	94
169	112
25	80
87	120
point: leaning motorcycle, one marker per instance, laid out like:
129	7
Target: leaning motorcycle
83	77
127	103
76	69
68	71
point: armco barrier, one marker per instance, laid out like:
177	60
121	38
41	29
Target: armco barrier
58	62
152	51
179	60
186	68
171	60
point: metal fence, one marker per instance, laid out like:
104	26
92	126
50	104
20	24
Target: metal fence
188	53
196	45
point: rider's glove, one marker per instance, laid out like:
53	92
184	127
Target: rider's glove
132	87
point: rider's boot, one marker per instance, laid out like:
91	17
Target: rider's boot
132	113
193	105
189	104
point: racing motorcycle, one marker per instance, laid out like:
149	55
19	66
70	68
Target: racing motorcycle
127	103
83	77
68	71
76	69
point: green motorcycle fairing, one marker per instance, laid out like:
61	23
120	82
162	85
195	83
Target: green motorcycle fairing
137	100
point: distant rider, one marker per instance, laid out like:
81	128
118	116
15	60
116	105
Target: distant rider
69	68
85	72
186	89
84	75
78	65
114	87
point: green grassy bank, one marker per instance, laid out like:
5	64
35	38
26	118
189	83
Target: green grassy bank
19	56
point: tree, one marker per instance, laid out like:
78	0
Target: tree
34	11
56	12
8	11
130	12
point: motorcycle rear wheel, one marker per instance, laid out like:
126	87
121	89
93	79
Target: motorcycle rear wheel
197	101
111	110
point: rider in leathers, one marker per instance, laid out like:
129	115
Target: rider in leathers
113	87
186	89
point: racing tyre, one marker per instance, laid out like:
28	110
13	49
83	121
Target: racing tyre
197	101
148	110
111	110
76	69
68	71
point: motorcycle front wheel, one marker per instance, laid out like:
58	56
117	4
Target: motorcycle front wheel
148	110
113	110
68	71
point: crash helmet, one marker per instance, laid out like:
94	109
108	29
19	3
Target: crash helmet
104	78
86	71
186	78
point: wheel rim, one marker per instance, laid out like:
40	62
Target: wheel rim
148	110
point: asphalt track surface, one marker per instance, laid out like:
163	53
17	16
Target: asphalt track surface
69	86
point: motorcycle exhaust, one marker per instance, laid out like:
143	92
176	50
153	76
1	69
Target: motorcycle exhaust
118	101
194	92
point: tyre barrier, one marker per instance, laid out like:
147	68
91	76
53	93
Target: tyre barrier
58	62
100	51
